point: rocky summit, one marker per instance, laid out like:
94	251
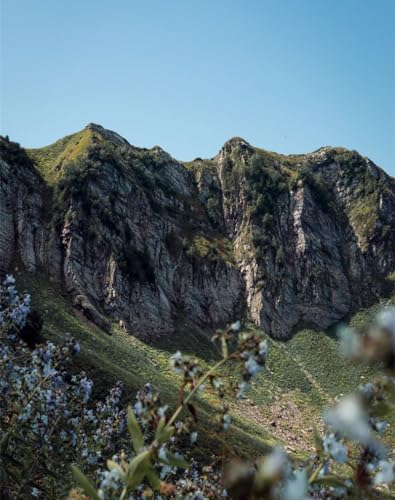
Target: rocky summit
137	237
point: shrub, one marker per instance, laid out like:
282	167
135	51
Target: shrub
12	153
320	193
47	418
352	436
264	186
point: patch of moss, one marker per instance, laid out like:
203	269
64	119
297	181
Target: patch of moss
214	248
364	217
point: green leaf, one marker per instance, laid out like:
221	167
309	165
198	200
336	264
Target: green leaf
137	470
136	479
165	434
113	465
159	428
153	479
330	481
317	440
135	431
174	461
84	482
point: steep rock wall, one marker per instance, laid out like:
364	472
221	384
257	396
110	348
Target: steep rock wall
139	238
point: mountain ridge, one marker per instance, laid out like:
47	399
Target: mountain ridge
136	236
108	133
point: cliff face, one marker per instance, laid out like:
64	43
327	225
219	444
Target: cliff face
137	237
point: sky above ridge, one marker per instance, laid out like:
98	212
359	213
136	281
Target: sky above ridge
288	76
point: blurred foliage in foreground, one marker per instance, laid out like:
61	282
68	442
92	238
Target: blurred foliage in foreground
48	421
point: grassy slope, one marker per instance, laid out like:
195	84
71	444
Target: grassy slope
51	159
303	375
108	358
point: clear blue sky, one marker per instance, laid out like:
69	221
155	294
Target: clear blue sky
288	76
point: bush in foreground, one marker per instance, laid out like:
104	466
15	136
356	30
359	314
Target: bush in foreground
49	421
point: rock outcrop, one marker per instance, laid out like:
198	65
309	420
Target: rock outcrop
137	237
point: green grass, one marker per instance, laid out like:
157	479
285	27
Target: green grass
364	216
319	353
51	159
306	371
120	356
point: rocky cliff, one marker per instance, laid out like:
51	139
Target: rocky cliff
138	237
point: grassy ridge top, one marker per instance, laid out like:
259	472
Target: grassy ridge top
51	159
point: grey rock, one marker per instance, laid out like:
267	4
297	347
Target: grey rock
152	241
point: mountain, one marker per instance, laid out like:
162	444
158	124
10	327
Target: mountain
136	237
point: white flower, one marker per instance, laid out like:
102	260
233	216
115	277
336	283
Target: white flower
165	470
10	280
263	348
252	366
275	464
349	418
335	448
194	436
295	488
162	454
217	383
367	390
138	408
243	386
387	472
177	356
235	327
162	410
226	421
175	362
350	342
386	319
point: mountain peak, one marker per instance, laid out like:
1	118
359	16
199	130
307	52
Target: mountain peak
107	134
237	142
236	146
94	126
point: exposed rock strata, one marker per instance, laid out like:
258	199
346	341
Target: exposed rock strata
137	237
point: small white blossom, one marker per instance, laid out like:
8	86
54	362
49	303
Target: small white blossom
386	473
227	420
275	464
335	448
235	327
349	419
252	366
295	488
386	320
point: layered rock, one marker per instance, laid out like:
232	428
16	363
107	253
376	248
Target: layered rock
137	237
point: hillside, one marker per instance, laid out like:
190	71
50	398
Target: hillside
136	237
304	375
